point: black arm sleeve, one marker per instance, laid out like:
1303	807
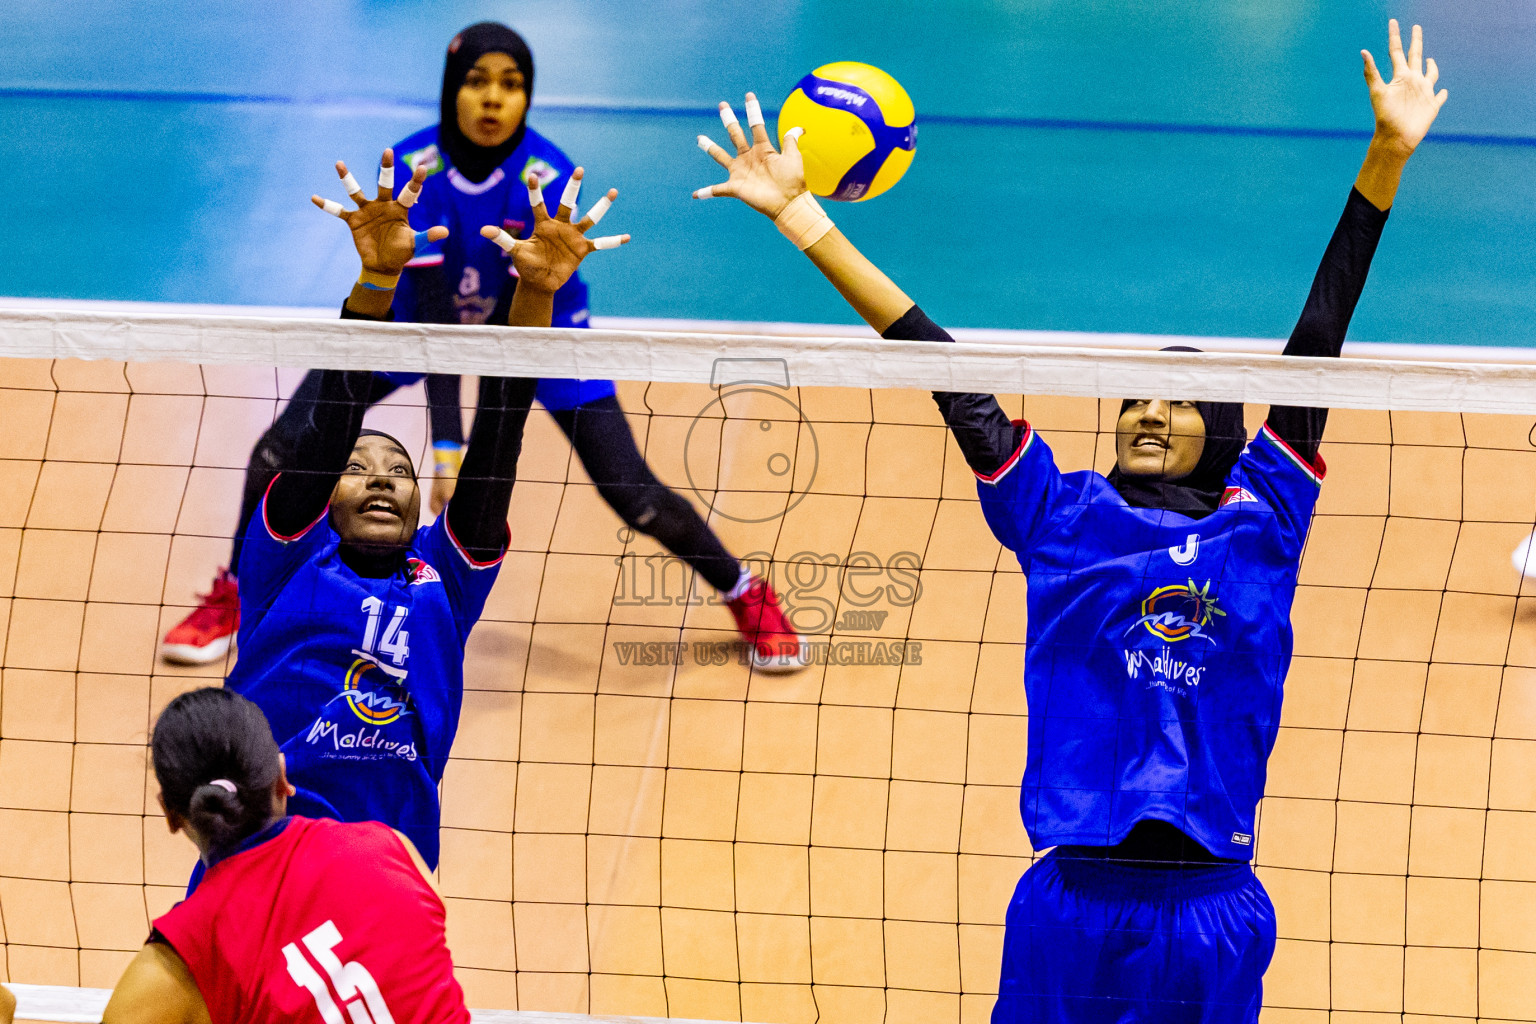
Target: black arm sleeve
434	302
321	447
1325	318
434	305
477	515
987	437
445	412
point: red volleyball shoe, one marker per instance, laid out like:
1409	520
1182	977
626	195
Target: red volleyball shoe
205	635
776	647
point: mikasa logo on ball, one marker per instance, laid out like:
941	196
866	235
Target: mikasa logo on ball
841	94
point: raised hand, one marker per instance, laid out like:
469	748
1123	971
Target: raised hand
1406	106
547	259
380	228
760	175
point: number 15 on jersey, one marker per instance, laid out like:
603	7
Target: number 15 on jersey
354	986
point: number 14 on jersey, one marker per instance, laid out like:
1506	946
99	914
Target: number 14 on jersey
395	641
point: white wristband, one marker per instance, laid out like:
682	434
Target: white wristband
803	221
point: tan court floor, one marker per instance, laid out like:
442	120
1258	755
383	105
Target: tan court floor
698	841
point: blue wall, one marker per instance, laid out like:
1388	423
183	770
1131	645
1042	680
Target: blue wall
168	154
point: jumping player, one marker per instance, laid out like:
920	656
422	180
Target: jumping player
353	620
476	161
1158	624
296	919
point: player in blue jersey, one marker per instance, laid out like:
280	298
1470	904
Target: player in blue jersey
353	619
1158	633
476	161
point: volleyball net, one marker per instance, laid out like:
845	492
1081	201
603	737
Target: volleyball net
636	822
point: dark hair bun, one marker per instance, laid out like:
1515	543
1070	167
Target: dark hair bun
210	734
216	814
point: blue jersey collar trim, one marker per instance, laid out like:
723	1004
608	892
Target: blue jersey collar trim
250	842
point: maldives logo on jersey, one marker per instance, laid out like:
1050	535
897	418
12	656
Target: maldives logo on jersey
539	169
1178	612
418	572
428	157
376	696
371	706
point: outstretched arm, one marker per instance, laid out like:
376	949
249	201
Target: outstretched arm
385	242
477	514
773	184
1404	109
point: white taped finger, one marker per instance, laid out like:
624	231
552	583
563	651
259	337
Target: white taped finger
350	184
754	112
387	177
333	208
599	208
409	195
707	192
506	241
535	194
609	241
704	143
793	135
728	117
572	191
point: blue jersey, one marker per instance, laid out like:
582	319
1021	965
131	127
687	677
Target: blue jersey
361	679
1157	644
475	268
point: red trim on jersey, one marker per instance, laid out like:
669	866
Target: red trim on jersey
429	260
268	524
1316	469
473	563
1013	460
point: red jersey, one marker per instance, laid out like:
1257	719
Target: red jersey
325	923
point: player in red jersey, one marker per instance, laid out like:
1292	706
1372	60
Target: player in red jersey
296	919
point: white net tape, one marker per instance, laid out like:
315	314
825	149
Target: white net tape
84	1006
682	357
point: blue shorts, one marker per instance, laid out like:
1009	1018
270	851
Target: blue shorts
1090	941
553	393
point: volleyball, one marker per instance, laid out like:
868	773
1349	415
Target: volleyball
860	131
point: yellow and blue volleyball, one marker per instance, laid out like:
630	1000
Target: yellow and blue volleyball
860	130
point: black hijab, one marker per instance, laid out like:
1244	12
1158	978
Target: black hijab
392	439
1197	494
477	162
